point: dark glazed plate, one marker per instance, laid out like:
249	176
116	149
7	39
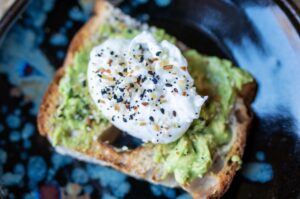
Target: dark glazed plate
260	36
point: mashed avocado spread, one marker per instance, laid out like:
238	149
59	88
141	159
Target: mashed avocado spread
78	121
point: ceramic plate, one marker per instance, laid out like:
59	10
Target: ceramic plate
260	36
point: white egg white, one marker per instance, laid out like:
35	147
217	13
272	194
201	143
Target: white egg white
144	87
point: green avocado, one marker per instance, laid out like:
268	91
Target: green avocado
78	121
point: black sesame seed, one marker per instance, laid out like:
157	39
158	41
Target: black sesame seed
120	99
144	79
113	118
139	78
143	94
103	91
112	52
141	59
162	111
124	120
151	72
121	74
151	119
174	113
84	83
154	80
168	85
158	53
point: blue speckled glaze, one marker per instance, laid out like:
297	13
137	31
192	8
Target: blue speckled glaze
59	161
14	136
27	144
260	155
261	172
19	169
36	168
184	196
77	15
10	179
88	189
79	176
108	196
27	131
163	191
58	39
163	3
3	156
258	172
13	121
32	195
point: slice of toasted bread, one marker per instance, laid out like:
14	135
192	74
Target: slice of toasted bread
139	162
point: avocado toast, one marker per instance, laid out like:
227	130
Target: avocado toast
203	161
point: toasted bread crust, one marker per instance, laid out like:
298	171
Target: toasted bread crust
138	162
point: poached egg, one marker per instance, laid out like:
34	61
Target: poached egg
143	87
